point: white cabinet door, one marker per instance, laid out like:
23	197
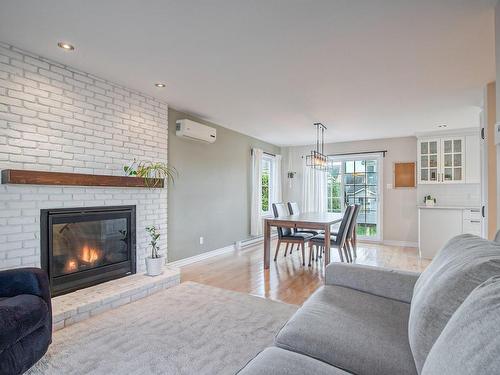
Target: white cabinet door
472	159
428	160
452	160
435	227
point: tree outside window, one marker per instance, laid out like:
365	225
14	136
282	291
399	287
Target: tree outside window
266	178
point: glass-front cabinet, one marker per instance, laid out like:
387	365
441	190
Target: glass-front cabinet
441	160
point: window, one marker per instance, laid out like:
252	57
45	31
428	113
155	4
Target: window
267	184
334	190
356	181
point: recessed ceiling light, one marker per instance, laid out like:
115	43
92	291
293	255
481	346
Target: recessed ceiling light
442	126
160	85
66	46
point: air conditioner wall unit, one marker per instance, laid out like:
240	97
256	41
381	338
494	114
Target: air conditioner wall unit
195	131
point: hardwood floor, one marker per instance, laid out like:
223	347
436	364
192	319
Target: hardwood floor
287	280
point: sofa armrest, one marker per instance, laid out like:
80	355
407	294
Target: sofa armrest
383	282
25	281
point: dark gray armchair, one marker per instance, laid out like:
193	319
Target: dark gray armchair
25	319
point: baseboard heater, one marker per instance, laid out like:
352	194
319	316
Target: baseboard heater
252	241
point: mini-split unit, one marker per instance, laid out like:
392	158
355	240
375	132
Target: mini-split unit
195	131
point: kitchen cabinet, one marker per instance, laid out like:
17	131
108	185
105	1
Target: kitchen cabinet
441	160
449	159
472	221
438	224
473	159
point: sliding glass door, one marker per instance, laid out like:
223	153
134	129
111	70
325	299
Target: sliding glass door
356	180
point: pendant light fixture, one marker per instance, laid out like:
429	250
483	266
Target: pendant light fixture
317	159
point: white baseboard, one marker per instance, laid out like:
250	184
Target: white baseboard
213	253
203	256
400	243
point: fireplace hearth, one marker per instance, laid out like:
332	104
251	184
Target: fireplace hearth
86	246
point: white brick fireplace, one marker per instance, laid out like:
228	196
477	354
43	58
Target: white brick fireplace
55	118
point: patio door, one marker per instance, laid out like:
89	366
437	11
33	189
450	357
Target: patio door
357	180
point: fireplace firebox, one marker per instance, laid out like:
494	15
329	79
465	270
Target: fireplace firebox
86	246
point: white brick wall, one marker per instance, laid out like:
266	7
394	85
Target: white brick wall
55	118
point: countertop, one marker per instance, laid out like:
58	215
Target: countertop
438	207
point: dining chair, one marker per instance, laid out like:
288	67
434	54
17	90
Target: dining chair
351	241
338	240
287	235
293	209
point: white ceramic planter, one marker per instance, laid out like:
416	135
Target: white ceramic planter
154	266
429	203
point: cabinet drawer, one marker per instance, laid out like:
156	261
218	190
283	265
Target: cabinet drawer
472	214
472	227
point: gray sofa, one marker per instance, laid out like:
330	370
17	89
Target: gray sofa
378	321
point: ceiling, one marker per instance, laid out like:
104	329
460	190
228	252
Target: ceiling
270	69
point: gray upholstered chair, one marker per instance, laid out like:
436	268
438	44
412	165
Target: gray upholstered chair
350	241
293	209
338	240
287	235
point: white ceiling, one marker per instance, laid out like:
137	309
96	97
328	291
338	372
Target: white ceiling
365	68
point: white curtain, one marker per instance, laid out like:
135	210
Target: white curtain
277	175
314	194
255	218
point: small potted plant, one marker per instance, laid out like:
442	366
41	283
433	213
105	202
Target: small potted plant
154	263
429	201
152	172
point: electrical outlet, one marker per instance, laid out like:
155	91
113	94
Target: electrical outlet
201	240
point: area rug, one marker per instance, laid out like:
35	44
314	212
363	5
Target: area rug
188	329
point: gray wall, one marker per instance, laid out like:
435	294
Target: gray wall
400	216
211	195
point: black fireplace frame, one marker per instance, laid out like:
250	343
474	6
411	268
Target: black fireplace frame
83	279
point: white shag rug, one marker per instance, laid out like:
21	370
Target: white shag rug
187	329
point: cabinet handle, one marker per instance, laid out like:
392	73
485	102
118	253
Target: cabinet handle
475	221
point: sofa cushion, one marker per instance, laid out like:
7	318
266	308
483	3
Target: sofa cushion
20	316
276	361
464	262
469	343
356	331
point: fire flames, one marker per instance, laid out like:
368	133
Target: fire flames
89	254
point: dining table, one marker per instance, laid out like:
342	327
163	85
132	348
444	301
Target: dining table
306	220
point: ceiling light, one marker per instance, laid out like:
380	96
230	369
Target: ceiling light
442	126
317	159
160	85
66	46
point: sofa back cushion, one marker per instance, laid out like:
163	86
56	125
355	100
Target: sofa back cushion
469	343
464	262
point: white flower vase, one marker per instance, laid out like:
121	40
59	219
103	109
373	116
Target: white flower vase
429	203
154	266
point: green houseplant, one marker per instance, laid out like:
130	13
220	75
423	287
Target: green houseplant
152	172
429	200
154	263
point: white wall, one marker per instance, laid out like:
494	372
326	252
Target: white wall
400	217
55	118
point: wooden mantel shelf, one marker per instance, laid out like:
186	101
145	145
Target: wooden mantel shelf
16	176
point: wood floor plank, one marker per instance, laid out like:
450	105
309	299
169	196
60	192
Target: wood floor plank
287	280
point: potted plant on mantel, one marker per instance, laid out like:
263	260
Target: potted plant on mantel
152	172
154	263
